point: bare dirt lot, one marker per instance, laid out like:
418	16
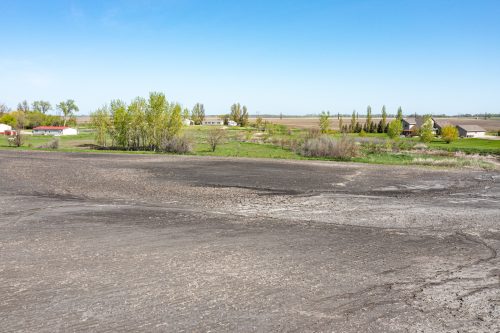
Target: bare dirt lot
96	242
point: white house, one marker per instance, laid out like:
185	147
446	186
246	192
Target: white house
471	131
232	123
5	127
54	130
216	122
187	122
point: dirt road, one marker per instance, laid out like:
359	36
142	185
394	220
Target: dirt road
96	242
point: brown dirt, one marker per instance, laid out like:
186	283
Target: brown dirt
98	242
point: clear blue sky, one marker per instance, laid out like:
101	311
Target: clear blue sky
295	57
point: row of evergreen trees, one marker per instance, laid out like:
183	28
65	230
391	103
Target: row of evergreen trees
369	126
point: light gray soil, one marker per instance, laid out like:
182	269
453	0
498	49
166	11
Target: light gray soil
95	242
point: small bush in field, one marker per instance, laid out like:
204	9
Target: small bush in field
215	137
343	148
178	145
313	133
449	133
52	144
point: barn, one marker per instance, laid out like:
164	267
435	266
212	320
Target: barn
471	131
54	130
4	128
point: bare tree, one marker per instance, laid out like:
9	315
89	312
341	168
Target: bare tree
41	106
23	106
3	109
215	137
67	108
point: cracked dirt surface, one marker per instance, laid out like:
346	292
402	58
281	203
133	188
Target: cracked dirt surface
94	242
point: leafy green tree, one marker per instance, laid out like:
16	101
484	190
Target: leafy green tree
120	119
41	106
369	125
383	122
8	119
198	114
400	114
395	128
324	121
185	114
100	121
68	108
449	133
352	126
244	117
137	122
156	119
239	114
174	122
426	130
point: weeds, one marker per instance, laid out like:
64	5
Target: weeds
344	148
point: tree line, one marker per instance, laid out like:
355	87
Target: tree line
36	114
144	124
369	126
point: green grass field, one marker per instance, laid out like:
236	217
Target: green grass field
469	145
238	144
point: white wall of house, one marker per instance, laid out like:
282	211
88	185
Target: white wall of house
471	134
5	127
56	132
213	122
69	131
47	132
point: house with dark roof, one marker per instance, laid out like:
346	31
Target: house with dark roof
471	131
440	123
412	124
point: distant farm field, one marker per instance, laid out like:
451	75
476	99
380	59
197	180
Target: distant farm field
491	125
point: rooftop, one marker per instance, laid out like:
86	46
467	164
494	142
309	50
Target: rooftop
472	128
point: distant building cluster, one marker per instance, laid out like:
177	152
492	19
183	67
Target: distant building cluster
410	124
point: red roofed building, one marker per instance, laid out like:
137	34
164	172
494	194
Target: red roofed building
54	130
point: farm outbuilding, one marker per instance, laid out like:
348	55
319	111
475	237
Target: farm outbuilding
217	122
4	128
54	130
232	123
471	131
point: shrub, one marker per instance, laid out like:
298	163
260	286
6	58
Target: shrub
395	128
216	136
449	133
52	144
18	139
324	122
362	133
343	148
178	145
312	133
426	133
